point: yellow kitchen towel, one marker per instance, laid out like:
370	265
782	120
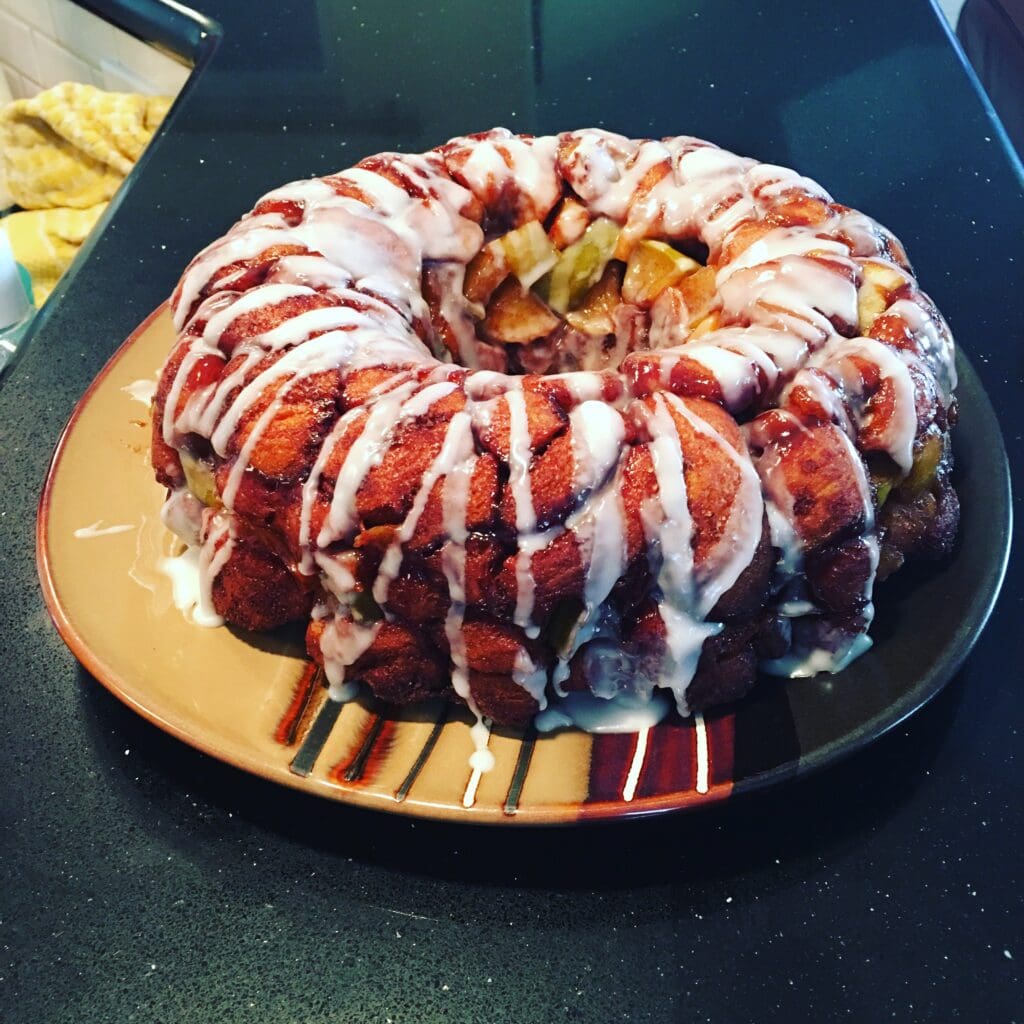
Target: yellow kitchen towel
64	154
45	242
72	145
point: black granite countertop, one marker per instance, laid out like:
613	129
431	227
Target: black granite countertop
143	881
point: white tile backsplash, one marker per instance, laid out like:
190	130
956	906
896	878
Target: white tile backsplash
33	12
12	79
147	64
57	64
82	31
133	53
21	87
44	42
119	79
16	49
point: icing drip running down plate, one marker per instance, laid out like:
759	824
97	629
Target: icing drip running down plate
254	702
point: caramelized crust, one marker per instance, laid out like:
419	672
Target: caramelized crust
253	566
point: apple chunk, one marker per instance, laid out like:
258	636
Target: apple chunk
654	266
529	252
569	224
698	291
874	296
515	316
594	317
484	272
526	252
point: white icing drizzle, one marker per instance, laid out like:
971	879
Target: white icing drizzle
533	678
421	402
598	525
783	533
792	294
780	242
802	664
779	499
519	458
454	501
141	391
735	372
600	530
597	431
625	712
367	451
742	533
246	302
481	760
458	312
901	427
746	362
182	514
500	162
193	571
187	590
526	513
218	543
336	577
827	393
672	532
527	546
935	340
234	480
456	449
244	241
343	642
583	385
98	530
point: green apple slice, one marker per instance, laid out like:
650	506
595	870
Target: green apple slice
580	266
526	252
926	464
199	479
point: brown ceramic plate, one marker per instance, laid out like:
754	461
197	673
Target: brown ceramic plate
253	701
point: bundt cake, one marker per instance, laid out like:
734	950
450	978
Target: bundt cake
520	417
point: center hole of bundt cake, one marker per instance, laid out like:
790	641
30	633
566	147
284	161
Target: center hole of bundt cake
581	293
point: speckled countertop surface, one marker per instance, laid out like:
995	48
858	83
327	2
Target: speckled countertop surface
142	881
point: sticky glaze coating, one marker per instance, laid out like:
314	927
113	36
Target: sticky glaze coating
697	492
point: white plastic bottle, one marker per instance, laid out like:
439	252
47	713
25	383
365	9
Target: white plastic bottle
15	306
